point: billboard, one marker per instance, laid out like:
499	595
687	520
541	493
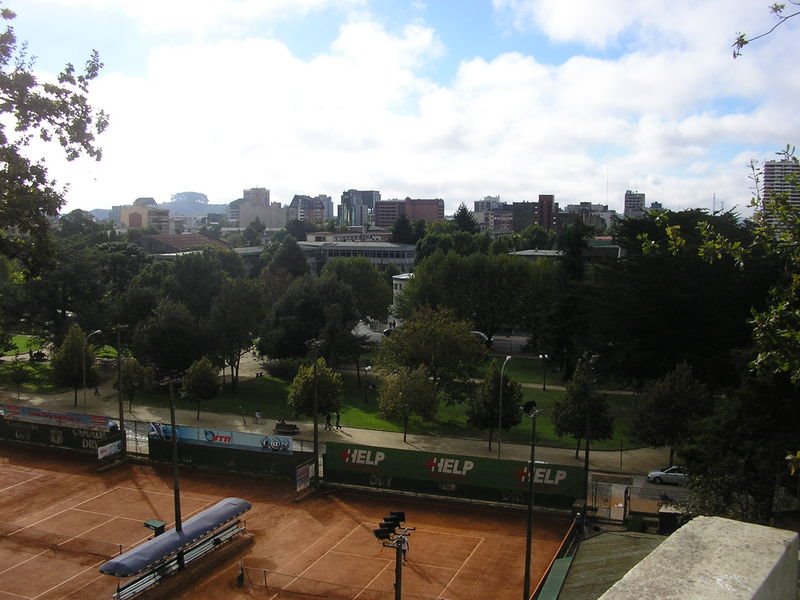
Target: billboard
451	475
223	439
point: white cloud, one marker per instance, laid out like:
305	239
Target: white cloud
365	112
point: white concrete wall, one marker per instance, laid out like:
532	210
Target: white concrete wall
712	558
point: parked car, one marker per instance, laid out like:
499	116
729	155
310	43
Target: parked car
673	474
482	338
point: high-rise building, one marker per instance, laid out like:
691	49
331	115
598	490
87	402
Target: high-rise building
634	204
306	208
415	209
782	178
357	206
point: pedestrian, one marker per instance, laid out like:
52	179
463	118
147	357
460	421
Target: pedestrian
328	422
96	391
338	424
404	546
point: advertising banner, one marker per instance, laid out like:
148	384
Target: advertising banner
223	439
110	447
31	414
448	474
304	473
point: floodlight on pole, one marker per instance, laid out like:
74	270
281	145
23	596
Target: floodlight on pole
533	412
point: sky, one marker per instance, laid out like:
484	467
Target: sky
455	99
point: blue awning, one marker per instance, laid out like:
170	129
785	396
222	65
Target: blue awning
155	551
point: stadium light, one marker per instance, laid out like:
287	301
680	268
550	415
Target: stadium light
533	412
393	535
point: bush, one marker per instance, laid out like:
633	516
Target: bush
283	368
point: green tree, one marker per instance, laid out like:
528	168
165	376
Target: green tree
312	307
490	291
465	220
297	229
406	392
200	382
371	294
170	339
71	358
569	414
52	111
236	314
320	380
439	342
135	377
735	455
402	233
482	410
287	257
19	374
668	407
254	233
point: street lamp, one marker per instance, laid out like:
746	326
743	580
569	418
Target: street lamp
543	358
500	415
118	329
86	343
314	345
530	410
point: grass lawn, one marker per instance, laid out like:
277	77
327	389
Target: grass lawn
39	377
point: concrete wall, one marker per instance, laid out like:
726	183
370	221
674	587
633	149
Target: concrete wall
714	558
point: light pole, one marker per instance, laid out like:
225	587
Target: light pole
543	358
314	344
118	329
83	356
500	407
530	410
367	369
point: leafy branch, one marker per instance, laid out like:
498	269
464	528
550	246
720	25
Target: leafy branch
776	9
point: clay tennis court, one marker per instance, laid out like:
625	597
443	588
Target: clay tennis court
61	520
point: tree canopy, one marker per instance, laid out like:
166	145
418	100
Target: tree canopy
441	343
50	111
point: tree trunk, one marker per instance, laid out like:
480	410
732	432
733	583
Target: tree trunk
671	455
358	371
491	431
578	447
198	409
405	427
76	396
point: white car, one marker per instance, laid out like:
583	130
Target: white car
672	474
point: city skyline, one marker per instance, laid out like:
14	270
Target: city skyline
516	98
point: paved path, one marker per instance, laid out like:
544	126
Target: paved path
628	461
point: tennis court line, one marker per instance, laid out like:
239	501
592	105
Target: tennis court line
74	537
61	512
371	581
323	555
463	564
20	483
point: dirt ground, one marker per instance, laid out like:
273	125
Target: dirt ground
61	520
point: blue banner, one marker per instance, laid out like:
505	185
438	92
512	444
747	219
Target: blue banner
223	439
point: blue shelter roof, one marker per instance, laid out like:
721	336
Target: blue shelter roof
155	551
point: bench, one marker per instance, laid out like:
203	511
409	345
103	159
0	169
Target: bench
286	429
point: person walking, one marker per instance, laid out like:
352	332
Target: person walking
328	422
338	423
